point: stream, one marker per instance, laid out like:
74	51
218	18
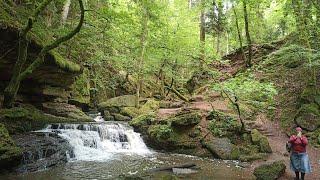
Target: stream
112	150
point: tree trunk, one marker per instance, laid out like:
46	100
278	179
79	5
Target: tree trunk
13	86
65	11
11	90
143	42
239	34
246	22
202	35
218	42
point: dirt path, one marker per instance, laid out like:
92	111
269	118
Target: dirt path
277	140
272	130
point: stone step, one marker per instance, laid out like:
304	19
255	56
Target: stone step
269	134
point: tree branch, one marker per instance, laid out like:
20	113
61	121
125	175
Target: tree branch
40	58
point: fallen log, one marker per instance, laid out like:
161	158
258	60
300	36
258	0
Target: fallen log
169	168
176	92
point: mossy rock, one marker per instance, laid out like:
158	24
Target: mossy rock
311	94
142	121
270	171
120	101
150	106
10	154
186	119
223	125
261	141
308	117
28	118
119	117
252	157
160	133
130	111
222	148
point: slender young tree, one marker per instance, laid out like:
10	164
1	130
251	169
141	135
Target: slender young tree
202	33
246	23
239	33
143	43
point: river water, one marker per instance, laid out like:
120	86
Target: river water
112	150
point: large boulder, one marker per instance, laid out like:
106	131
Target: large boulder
143	121
185	119
120	101
270	171
261	141
28	118
150	106
10	154
42	150
222	148
308	117
120	117
65	110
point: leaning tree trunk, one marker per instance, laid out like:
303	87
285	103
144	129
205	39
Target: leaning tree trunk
14	84
13	87
246	22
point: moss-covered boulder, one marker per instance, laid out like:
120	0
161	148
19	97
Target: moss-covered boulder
222	124
143	121
161	133
222	148
65	110
309	95
261	141
185	119
10	154
308	117
81	90
28	118
150	106
130	111
120	101
270	171
120	117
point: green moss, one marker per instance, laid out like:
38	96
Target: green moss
150	106
27	118
187	119
222	124
81	88
130	111
261	141
120	101
161	133
270	171
252	157
143	120
65	64
308	116
9	153
311	94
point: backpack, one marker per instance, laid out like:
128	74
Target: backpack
288	146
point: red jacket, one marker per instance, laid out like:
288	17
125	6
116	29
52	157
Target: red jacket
298	144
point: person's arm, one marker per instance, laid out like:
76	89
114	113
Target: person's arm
292	138
304	140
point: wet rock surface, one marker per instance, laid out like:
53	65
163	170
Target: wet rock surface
42	151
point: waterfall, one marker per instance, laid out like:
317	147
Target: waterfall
99	142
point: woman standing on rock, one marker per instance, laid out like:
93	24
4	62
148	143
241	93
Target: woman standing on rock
299	160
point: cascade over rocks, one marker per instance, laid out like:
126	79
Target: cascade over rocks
41	151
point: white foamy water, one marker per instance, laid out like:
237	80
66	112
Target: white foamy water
99	118
100	142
